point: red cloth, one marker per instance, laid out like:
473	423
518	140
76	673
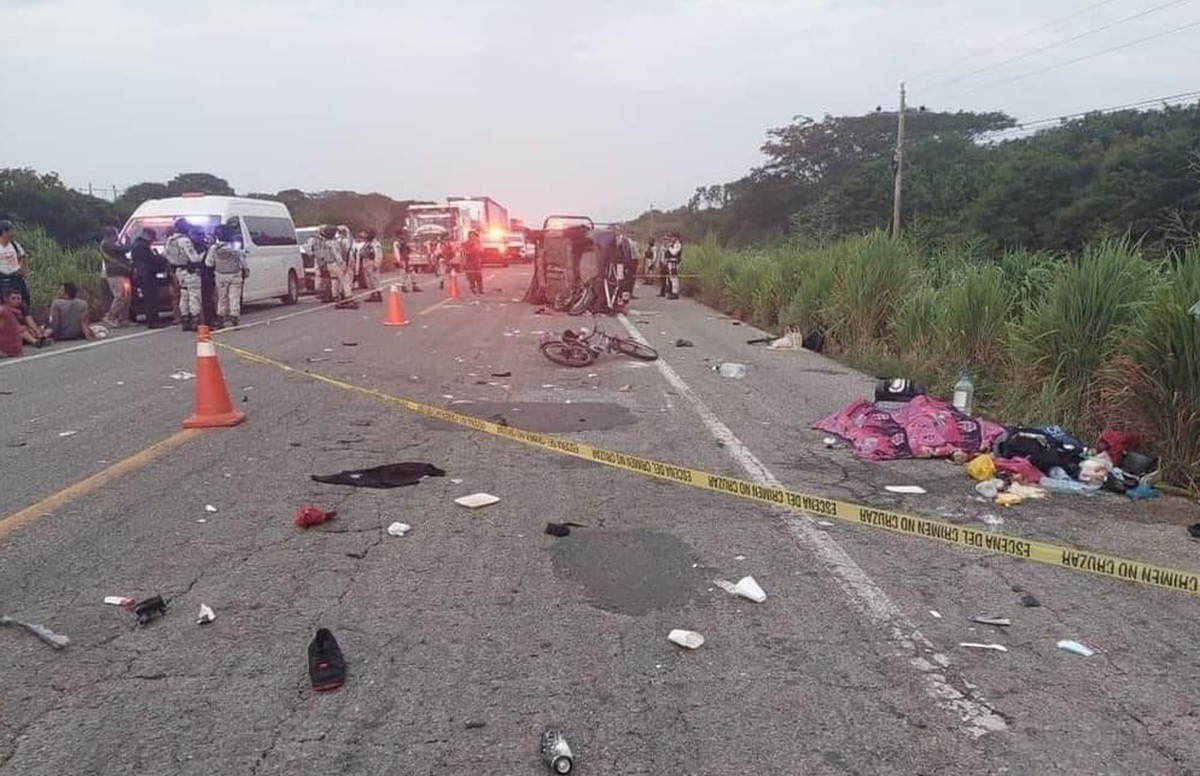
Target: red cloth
923	428
1117	443
11	343
1019	469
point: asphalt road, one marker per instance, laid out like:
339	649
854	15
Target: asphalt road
479	617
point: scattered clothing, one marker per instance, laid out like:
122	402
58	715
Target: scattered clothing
326	664
392	475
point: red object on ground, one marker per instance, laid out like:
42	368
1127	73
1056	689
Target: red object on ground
308	515
1117	443
923	428
1019	469
11	343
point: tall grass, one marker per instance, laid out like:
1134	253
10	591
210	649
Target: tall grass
51	265
1104	340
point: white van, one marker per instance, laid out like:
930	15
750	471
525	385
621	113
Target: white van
267	235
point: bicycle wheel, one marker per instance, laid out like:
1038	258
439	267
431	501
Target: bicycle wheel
582	302
634	349
567	353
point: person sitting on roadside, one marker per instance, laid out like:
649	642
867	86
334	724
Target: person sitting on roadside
31	333
12	343
69	315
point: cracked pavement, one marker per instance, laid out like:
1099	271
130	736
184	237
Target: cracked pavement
478	617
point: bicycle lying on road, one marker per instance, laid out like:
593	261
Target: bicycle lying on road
582	349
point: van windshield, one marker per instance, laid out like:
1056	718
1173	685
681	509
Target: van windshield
164	225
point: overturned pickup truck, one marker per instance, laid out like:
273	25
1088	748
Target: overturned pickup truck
581	266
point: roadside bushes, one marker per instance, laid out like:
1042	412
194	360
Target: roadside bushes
51	265
1101	340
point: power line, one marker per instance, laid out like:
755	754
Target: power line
1129	44
1056	44
1025	125
1006	41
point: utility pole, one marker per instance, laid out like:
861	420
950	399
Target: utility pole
899	192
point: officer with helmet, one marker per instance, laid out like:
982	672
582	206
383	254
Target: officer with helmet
186	263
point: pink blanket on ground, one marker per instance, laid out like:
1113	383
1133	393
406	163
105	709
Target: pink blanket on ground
923	428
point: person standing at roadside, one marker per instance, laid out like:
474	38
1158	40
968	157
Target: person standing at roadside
338	263
473	255
14	264
230	270
674	257
370	250
145	266
118	272
186	262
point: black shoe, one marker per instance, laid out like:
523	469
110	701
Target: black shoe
662	293
672	296
416	289
326	665
234	322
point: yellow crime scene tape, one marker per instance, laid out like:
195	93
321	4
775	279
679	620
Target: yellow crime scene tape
895	522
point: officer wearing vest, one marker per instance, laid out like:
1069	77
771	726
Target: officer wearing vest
186	263
228	263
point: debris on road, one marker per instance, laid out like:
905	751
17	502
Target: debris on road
556	752
625	388
122	601
1194	530
209	508
1030	602
1000	622
736	371
67	433
682	343
150	609
398	529
907	490
501	374
206	615
326	664
456	482
974	645
477	500
392	475
685	638
56	640
748	588
560	529
1027	491
1075	647
992	521
181	375
350	344
474	725
1008	500
982	468
935	614
308	515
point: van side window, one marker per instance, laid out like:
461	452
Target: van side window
270	230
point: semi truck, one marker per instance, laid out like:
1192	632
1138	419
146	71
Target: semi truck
428	225
490	219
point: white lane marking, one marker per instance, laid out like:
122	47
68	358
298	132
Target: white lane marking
83	346
868	598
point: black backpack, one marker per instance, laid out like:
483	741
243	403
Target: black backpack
1044	447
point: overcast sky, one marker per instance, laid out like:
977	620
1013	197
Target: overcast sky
587	107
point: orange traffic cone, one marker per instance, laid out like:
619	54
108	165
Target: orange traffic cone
452	287
395	309
213	408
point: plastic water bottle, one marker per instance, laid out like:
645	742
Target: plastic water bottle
1056	485
736	371
964	394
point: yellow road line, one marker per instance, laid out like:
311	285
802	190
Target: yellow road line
96	481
